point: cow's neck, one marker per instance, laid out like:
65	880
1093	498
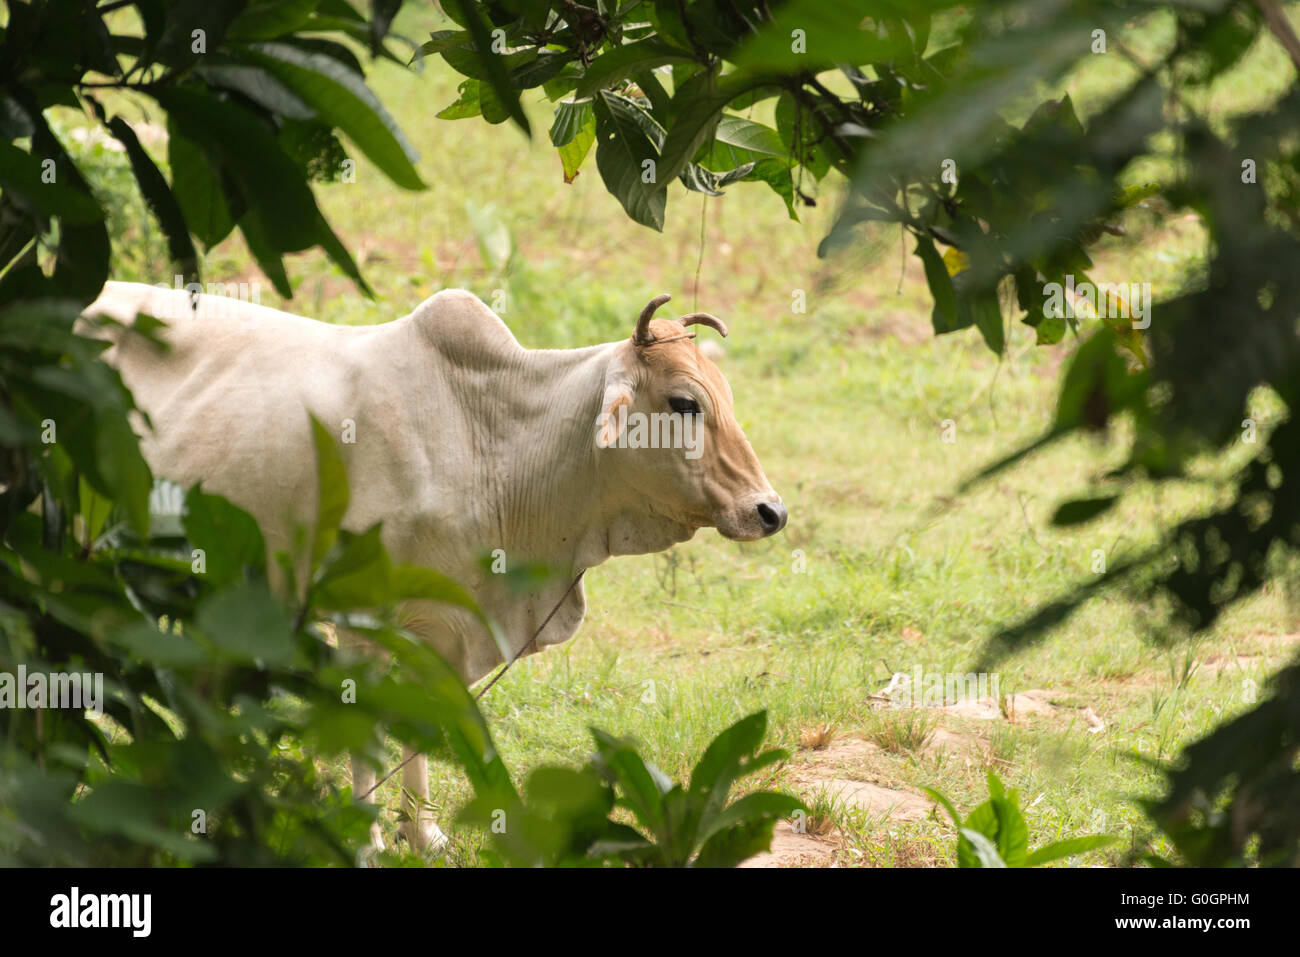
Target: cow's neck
565	505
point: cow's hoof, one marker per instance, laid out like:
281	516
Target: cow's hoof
427	838
368	854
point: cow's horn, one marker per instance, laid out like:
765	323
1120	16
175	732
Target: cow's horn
642	335
704	319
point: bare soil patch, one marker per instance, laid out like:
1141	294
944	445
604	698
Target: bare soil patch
1017	705
791	849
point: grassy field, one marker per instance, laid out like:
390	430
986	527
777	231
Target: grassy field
884	567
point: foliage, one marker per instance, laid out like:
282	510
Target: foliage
254	101
210	684
213	687
565	819
995	835
220	695
919	110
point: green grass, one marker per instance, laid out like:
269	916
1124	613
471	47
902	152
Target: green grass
844	405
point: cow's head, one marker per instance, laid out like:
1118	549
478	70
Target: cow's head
660	390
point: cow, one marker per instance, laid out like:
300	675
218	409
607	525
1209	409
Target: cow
463	442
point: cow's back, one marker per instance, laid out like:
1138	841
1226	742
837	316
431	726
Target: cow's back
228	401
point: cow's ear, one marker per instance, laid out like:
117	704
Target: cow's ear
610	423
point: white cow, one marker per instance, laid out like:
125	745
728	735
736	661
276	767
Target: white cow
464	442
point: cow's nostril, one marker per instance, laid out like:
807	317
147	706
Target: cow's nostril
773	516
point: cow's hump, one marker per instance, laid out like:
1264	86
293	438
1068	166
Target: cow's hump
463	328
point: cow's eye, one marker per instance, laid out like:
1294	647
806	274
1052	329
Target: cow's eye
684	405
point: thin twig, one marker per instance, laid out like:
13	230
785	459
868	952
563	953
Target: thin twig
572	585
699	263
488	686
1280	27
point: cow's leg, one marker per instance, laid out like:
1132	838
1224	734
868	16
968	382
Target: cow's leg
429	621
363	779
419	828
364	774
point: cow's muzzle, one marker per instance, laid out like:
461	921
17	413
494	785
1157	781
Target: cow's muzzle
755	516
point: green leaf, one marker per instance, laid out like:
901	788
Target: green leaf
330	48
999	820
95	509
622	61
271	18
491	105
22	173
988	319
737	163
996	788
494	65
642	794
467	103
1068	848
570	118
338	254
159	196
979	851
161	649
197	189
382	13
82	264
281	214
574	153
753	140
696	119
229	537
567	794
1013	833
833	31
332	488
1049	331
259	85
944	315
342	98
84	395
209	19
757	806
1096	385
539	71
803	134
128	808
699	180
248	623
413	582
268	257
732	845
776	174
440	698
127	476
355	573
622	151
270	181
1132	195
440	40
720	763
947	805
